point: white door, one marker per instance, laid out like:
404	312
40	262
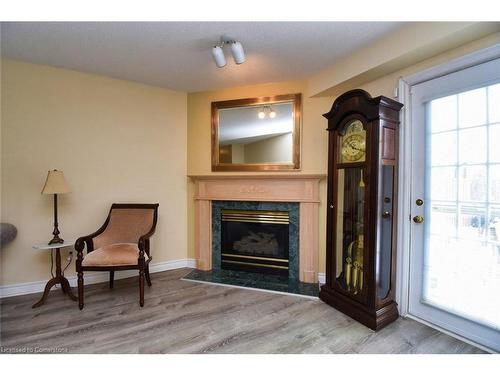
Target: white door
455	190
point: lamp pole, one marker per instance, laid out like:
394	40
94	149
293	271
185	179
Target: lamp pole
56	232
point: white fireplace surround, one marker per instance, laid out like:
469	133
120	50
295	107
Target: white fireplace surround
301	188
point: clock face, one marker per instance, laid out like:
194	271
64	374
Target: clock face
353	143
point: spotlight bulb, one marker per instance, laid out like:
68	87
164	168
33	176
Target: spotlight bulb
238	52
218	55
261	114
272	114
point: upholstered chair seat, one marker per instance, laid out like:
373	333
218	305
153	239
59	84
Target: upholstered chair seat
117	254
121	243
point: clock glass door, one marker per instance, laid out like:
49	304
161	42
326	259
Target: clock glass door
349	236
349	239
455	254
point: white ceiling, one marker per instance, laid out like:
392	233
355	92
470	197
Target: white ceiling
176	55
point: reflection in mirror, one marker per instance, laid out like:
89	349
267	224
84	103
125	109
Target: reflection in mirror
256	134
262	134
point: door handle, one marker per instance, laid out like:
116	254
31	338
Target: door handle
418	219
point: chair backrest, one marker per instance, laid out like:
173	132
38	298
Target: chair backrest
126	223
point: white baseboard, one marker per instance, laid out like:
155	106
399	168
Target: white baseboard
93	277
321	278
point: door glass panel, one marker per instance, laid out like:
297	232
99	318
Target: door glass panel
443	217
444	148
472	108
462	218
495	183
444	186
472	223
494	103
472	183
443	113
473	146
494	147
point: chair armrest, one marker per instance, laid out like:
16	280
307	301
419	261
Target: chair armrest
80	243
88	239
143	242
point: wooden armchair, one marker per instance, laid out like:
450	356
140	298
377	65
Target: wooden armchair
122	243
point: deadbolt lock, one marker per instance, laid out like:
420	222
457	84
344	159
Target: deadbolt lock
419	202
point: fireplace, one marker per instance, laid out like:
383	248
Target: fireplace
257	237
296	193
255	245
255	241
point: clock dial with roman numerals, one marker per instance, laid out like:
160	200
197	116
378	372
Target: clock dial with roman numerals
353	143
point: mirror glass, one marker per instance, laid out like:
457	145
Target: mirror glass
251	135
258	135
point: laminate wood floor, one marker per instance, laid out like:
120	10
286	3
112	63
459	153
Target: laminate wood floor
187	317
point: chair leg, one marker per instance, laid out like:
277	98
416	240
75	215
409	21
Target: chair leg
141	288
148	276
111	279
80	290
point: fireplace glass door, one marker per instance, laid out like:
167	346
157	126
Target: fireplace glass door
255	241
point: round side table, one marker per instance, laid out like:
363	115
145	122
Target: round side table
59	278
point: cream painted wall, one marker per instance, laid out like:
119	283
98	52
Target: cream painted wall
314	136
277	149
116	141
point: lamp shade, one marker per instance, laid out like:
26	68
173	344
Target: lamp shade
55	183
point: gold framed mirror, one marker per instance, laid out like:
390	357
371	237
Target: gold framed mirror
256	134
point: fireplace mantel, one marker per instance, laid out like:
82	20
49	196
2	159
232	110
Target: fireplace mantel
301	188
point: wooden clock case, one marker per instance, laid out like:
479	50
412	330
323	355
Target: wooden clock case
363	216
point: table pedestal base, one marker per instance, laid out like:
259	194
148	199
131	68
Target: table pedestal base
59	279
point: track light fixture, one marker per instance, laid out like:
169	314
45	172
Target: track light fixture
236	50
262	113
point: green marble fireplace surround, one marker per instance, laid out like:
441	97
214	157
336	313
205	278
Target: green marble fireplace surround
277	283
293	229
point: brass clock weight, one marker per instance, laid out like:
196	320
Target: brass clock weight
354	266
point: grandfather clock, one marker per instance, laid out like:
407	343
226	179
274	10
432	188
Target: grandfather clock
362	197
